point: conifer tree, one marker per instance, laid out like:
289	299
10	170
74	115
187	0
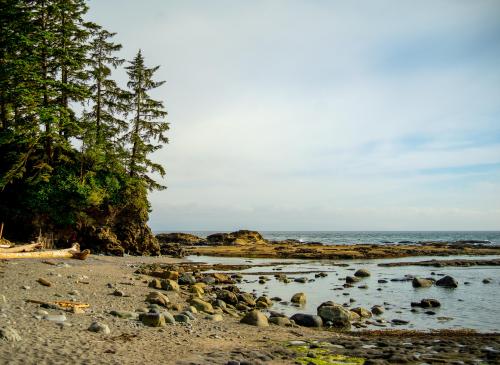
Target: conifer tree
103	122
148	125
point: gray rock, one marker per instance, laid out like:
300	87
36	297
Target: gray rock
280	321
124	314
255	318
362	273
378	310
307	320
351	279
118	293
447	282
9	334
55	317
181	318
335	313
187	279
169	318
99	327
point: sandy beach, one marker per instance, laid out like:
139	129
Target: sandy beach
52	336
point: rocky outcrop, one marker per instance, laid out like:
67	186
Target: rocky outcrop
241	237
185	239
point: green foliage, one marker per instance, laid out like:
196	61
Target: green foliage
60	168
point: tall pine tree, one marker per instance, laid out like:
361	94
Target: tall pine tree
148	125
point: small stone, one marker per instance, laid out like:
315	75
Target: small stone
169	318
214	317
99	328
55	317
299	298
44	282
118	293
9	334
124	314
487	281
362	312
300	280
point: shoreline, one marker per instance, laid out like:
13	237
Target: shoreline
339	252
201	341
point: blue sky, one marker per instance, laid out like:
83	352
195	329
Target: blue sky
322	115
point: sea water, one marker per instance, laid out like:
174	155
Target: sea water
375	237
473	306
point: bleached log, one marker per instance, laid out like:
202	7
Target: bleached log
23	248
72	252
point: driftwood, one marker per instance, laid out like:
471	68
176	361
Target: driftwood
22	248
63	304
72	252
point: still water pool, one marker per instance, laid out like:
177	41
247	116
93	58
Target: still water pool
474	306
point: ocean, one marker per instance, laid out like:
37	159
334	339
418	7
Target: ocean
374	237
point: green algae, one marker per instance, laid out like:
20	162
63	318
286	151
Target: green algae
322	356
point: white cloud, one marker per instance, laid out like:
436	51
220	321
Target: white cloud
322	115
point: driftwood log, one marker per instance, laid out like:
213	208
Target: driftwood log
22	248
72	252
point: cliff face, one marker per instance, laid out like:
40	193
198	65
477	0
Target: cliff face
111	219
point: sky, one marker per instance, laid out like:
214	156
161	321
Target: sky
322	115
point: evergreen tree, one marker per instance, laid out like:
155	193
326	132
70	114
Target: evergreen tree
148	125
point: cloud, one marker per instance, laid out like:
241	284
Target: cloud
323	115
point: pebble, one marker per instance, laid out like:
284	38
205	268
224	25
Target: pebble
99	328
44	282
9	334
55	317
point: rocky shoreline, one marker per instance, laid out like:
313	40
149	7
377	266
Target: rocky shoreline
120	310
253	245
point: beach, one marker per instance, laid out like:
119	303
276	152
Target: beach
122	284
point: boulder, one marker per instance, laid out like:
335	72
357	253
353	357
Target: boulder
157	298
155	284
351	279
227	296
164	274
247	298
378	310
281	321
299	298
447	282
362	312
242	237
152	319
170	285
307	320
336	314
255	318
185	239
201	305
362	273
421	283
187	279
